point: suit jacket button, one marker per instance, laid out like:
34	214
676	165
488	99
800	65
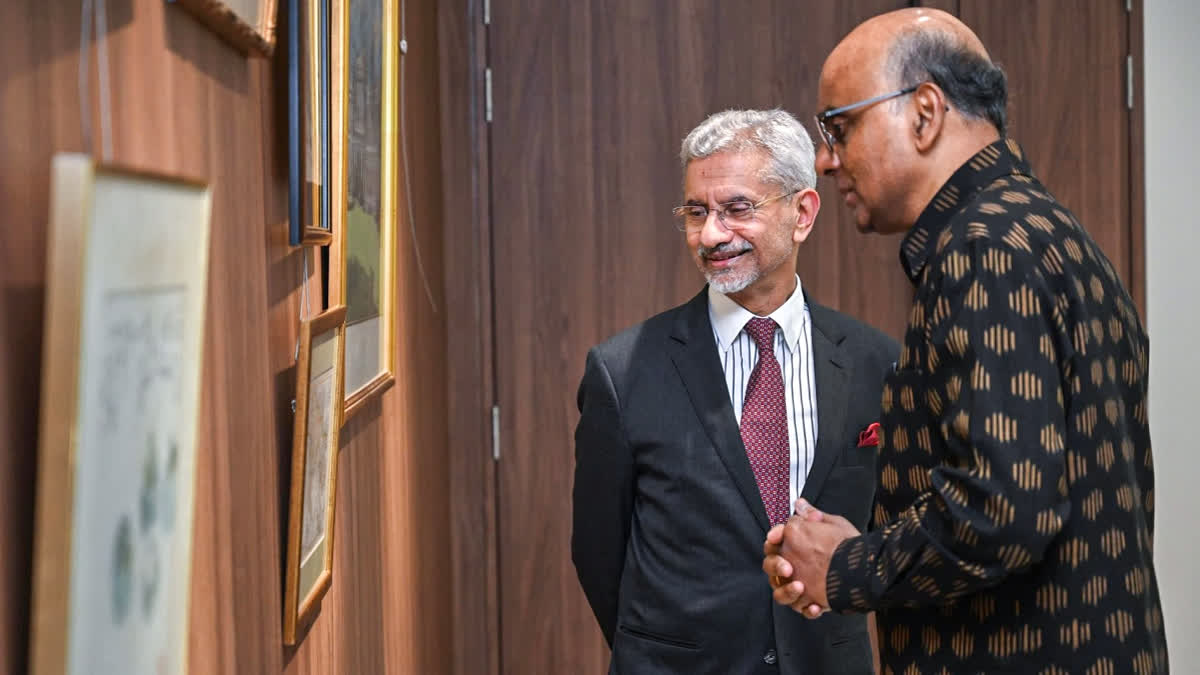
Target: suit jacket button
770	658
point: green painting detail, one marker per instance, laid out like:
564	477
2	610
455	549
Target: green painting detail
362	265
364	166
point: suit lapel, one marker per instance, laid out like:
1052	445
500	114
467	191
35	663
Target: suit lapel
694	352
833	390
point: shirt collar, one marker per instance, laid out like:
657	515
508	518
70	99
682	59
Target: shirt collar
1002	158
729	318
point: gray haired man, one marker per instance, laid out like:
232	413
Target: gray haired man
702	425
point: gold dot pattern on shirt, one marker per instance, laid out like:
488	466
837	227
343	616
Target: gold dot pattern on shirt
1040	222
1119	624
1014	518
944	239
1135	581
1018	238
1027	475
1048	522
1092	504
1113	543
1094	590
1014	197
1075	634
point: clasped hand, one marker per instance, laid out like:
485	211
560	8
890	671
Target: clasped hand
797	555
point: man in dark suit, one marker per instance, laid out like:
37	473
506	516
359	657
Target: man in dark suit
1014	523
701	426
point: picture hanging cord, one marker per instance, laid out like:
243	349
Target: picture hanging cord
102	67
408	195
94	13
85	48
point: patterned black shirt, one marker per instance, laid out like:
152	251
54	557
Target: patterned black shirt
1014	520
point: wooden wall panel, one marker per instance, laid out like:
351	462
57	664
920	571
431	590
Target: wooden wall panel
185	102
591	102
39	112
471	387
1065	61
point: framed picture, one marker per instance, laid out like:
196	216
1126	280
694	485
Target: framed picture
124	331
364	254
310	151
248	25
319	383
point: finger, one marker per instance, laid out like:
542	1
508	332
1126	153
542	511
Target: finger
813	611
774	537
777	566
789	594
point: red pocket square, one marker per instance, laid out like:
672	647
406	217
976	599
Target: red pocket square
870	436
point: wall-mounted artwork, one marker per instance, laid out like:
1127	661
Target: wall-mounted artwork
319	399
311	187
364	252
124	331
248	25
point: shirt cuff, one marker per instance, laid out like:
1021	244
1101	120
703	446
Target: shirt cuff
848	581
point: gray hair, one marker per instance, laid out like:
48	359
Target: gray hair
975	86
786	142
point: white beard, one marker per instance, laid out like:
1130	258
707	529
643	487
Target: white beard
731	281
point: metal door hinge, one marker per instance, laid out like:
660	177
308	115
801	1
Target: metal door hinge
1129	81
487	94
496	433
487	12
1128	5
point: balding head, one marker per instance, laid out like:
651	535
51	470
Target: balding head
913	45
916	95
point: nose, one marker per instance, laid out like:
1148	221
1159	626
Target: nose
714	231
827	160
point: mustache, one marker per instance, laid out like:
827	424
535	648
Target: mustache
728	248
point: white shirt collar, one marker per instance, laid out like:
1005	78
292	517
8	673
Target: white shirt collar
729	318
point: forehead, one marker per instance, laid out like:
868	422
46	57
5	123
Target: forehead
853	72
727	171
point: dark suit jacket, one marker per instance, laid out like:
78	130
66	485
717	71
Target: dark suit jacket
668	521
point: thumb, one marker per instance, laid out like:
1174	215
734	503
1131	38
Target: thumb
808	511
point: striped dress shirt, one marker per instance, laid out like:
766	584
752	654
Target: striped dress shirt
793	350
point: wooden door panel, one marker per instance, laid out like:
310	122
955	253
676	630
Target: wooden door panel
591	101
1066	65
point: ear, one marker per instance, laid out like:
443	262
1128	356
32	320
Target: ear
930	103
808	203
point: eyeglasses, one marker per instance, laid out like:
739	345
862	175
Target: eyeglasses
735	215
836	136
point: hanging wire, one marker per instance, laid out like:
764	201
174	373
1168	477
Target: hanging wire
85	49
102	66
408	195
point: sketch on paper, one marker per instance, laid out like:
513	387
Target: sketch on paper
316	463
126	609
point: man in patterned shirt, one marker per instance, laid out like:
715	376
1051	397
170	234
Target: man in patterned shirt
1013	526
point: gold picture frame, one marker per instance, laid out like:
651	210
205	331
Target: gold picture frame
363	257
319	404
121	374
248	25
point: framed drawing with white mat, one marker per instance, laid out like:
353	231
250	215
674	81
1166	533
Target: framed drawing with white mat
117	444
320	378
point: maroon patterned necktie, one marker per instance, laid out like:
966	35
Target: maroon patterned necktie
764	423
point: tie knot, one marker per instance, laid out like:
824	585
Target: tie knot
762	331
